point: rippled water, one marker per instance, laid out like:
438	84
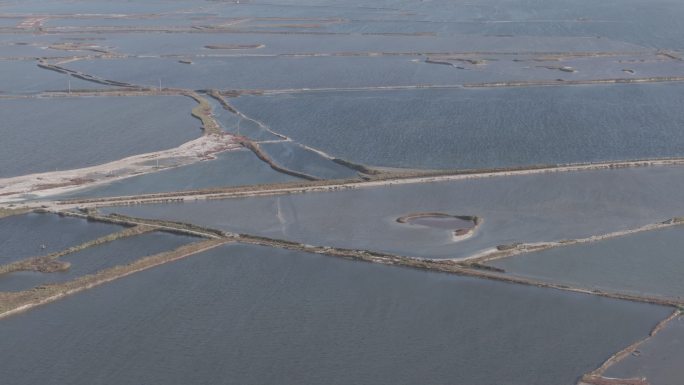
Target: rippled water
528	208
649	263
94	259
481	128
24	236
253	315
659	359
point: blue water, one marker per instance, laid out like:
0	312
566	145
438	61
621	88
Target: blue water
48	134
232	168
23	236
527	208
253	315
481	128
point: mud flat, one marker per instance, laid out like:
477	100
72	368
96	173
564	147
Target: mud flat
32	235
96	258
647	263
47	134
522	208
480	128
305	301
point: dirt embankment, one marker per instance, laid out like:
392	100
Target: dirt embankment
446	266
213	141
595	377
254	147
383	179
8	212
50	263
656	79
13	303
505	251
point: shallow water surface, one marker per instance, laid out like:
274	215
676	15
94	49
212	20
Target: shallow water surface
659	359
31	235
254	315
523	208
481	128
94	259
48	134
648	263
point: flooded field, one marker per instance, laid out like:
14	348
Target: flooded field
51	134
359	192
24	76
527	208
31	235
481	128
256	314
648	263
94	259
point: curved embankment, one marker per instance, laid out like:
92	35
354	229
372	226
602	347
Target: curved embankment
17	302
256	149
50	263
595	377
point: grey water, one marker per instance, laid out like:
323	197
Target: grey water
32	235
156	44
268	72
481	128
93	259
297	158
648	263
522	208
659	359
252	315
25	77
229	169
48	134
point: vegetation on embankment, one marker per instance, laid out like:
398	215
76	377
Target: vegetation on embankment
8	212
16	302
203	112
50	263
